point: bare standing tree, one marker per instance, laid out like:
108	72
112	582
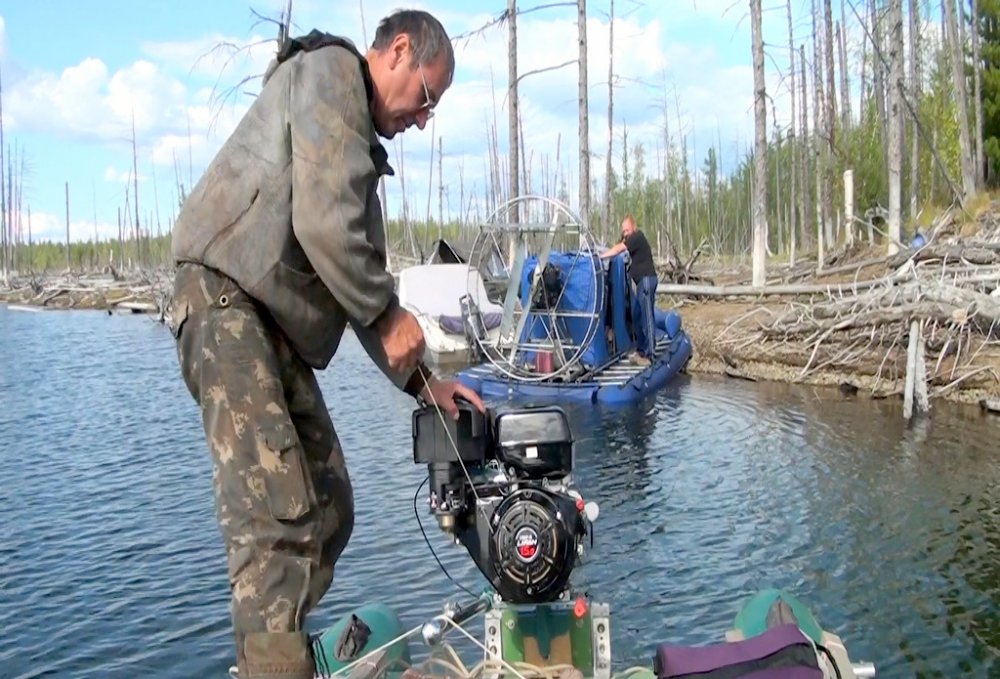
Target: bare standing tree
793	145
958	76
879	78
584	123
831	90
512	103
977	79
818	147
845	89
914	92
760	149
3	198
611	94
895	121
830	119
67	227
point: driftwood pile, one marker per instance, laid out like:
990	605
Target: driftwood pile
670	268
135	292
945	318
930	323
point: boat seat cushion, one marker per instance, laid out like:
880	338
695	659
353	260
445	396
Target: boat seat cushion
455	324
782	652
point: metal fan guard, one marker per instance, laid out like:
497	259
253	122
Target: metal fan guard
499	220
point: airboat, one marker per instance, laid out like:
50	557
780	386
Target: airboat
566	330
501	484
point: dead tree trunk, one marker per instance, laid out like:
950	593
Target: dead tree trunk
793	199
845	80
669	188
67	227
977	80
879	80
760	149
895	154
140	255
915	89
3	199
819	128
608	207
863	94
512	104
845	112
958	77
831	92
584	121
830	120
805	201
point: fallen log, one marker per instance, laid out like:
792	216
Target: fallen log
864	319
843	268
956	253
766	290
983	310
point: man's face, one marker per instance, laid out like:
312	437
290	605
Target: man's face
407	91
627	228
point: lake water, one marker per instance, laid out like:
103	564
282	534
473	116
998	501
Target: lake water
111	564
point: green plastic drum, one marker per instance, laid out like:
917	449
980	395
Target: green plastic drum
384	625
752	618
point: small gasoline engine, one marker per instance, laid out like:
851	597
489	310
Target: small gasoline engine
502	485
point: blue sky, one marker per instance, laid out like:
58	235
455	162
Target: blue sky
75	73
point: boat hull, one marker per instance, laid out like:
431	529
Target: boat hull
617	383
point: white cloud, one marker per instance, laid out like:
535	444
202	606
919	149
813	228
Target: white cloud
214	57
46	226
114	175
176	87
85	102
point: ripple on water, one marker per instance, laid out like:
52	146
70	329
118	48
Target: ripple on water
111	564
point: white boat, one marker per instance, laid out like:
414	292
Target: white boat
433	293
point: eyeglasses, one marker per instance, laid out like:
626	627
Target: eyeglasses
428	103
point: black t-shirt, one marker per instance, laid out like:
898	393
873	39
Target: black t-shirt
641	254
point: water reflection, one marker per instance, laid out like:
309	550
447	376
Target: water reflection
110	564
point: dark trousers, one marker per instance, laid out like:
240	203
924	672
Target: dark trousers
643	319
283	497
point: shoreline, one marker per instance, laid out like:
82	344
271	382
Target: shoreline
853	335
706	323
921	325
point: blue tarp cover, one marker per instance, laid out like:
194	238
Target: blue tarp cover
608	294
582	291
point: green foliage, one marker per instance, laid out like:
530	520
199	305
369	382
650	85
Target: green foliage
989	29
717	206
49	256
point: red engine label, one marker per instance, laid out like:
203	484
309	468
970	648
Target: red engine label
527	544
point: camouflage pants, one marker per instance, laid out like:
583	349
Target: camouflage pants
283	497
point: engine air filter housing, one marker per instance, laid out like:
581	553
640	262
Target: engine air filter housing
535	443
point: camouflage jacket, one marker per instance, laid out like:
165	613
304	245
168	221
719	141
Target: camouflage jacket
289	210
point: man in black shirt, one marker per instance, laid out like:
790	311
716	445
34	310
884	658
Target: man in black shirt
643	274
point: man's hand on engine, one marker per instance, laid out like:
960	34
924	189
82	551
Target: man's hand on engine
444	392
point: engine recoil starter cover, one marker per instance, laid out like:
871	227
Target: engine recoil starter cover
533	545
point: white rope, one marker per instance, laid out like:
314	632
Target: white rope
481	645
